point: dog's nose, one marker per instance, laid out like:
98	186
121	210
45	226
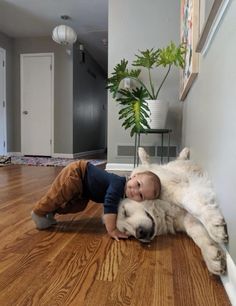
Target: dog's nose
142	233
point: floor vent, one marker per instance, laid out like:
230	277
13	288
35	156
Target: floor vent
172	151
129	150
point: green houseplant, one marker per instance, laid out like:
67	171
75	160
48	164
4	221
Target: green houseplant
133	100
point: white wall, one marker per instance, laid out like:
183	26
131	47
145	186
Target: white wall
209	125
136	25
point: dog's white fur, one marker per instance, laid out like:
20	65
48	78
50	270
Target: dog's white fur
187	203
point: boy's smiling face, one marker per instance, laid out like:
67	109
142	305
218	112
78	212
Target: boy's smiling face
140	187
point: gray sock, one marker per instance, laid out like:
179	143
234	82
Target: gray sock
50	216
41	222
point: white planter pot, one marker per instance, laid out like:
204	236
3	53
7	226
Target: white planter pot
158	109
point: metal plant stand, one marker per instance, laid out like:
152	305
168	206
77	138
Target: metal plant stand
151	131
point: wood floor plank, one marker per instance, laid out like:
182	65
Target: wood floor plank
163	273
68	282
98	295
76	264
191	275
199	275
124	284
181	269
10	235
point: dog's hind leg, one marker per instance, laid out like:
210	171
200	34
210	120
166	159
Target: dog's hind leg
212	253
215	224
143	156
205	209
184	154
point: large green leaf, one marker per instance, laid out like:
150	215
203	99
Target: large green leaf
120	73
134	109
147	58
171	55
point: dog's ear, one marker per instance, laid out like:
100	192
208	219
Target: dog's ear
150	206
156	207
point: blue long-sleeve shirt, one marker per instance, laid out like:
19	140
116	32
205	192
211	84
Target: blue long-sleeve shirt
103	187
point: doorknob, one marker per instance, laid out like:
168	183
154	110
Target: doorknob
25	112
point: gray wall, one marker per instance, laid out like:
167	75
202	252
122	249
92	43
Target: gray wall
209	125
136	25
7	43
90	104
79	97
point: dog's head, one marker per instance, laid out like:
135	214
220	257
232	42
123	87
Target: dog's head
137	219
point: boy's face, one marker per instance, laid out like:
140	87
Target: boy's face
139	188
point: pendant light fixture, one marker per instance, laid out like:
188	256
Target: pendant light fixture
63	34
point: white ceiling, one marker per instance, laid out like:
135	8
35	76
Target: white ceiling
35	18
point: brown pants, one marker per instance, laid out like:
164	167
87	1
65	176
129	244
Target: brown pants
66	192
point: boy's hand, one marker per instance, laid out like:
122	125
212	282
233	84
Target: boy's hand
110	223
116	234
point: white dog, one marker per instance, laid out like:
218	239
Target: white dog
187	203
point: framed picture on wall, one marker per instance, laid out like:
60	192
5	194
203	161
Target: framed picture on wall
189	32
213	11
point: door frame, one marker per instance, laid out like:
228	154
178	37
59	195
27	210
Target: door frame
4	100
22	56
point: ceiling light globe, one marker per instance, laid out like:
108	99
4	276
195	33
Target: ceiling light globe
64	35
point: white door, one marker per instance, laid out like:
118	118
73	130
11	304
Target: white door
2	101
37	104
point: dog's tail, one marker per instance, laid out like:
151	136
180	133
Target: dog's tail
143	156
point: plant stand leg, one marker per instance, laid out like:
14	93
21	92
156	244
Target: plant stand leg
136	146
135	149
162	147
169	146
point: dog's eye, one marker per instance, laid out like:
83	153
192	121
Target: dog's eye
125	213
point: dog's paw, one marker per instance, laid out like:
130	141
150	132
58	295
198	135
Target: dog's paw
215	259
217	229
184	154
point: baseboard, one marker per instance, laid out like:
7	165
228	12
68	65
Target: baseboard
78	155
65	155
119	167
229	280
62	155
14	154
81	154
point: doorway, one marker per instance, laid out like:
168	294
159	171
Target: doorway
3	131
37	101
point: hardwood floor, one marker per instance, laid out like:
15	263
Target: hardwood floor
76	263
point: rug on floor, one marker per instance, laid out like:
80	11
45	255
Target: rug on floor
4	160
49	161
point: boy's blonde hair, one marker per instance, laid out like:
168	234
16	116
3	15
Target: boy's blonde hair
155	180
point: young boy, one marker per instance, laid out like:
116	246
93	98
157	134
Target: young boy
81	181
